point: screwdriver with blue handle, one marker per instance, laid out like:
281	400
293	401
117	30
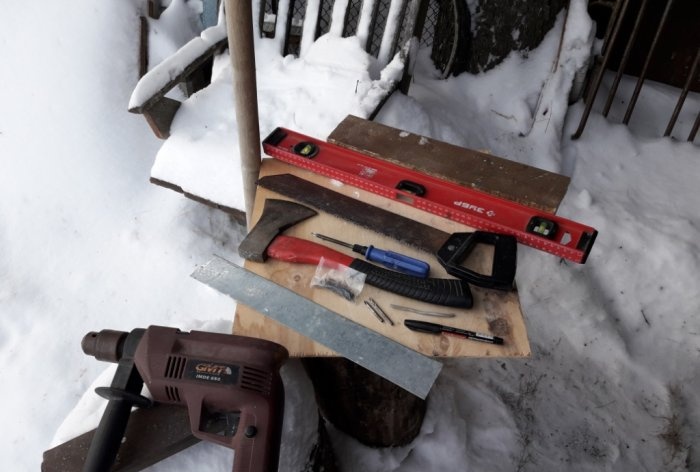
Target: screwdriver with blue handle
392	260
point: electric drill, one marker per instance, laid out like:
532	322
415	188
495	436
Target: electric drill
229	384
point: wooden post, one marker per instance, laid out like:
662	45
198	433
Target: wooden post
239	24
364	405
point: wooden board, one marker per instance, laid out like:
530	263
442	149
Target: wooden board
500	177
152	434
494	312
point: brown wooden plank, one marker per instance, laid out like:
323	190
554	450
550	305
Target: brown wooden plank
503	178
494	312
160	114
152	434
180	77
143	46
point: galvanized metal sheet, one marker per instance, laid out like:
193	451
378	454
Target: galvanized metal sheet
383	356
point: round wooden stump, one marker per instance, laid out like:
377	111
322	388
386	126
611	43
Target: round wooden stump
364	405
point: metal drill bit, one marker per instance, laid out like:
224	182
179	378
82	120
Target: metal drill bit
374	306
332	240
376	313
422	312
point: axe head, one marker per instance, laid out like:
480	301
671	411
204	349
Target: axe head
277	216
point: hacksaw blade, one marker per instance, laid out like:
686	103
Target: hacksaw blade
404	230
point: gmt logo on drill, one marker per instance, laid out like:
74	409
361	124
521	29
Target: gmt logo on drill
474	208
212	372
212	369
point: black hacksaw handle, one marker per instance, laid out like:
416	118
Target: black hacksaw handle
446	292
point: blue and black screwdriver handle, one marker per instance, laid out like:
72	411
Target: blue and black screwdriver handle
392	260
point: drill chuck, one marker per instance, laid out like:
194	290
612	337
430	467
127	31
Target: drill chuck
107	345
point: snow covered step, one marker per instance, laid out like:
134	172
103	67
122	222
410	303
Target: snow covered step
148	98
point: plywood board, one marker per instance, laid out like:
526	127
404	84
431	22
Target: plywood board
494	312
500	177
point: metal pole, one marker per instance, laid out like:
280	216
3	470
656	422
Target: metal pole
625	58
647	61
683	95
611	23
694	131
590	99
239	25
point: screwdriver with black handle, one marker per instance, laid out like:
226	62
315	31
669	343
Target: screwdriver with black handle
392	260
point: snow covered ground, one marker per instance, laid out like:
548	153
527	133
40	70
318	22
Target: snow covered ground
87	243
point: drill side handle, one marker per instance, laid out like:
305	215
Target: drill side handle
107	440
123	394
108	437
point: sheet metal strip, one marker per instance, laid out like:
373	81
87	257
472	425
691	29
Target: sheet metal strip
405	367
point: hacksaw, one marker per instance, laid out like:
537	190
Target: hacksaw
550	233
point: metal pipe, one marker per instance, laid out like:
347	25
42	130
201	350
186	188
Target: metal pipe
599	77
239	25
643	74
683	95
625	58
694	131
611	23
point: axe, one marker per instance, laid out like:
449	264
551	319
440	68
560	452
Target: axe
265	240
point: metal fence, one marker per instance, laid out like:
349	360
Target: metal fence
617	38
379	16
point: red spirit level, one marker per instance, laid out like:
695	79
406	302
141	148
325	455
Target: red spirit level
559	236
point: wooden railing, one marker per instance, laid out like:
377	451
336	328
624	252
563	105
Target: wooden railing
300	26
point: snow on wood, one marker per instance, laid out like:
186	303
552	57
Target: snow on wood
391	30
308	30
159	80
340	8
363	25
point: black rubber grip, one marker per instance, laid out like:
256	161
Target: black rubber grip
446	292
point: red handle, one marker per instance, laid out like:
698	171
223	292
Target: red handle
301	251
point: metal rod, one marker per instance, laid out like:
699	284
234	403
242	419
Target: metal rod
625	58
694	131
683	95
611	24
239	25
422	312
332	240
599	77
643	74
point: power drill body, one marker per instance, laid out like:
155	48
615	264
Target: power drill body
229	384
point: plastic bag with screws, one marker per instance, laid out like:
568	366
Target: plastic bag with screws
341	279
